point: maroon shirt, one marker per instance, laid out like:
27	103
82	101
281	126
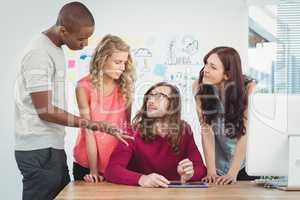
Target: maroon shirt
128	164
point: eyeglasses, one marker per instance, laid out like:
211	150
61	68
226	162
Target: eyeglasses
157	96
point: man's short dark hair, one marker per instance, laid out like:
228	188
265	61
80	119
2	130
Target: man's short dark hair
75	15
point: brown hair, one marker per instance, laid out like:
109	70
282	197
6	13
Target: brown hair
235	99
173	118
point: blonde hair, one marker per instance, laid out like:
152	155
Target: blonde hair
106	47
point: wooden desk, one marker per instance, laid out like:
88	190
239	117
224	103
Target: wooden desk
242	190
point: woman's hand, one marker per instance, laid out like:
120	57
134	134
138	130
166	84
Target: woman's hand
185	169
93	177
226	179
210	178
153	180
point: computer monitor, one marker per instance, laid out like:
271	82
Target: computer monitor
273	137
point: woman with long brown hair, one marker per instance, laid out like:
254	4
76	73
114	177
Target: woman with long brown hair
221	94
163	149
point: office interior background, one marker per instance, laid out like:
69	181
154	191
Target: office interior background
265	32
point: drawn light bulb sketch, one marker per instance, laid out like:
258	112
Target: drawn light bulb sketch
182	51
142	55
190	45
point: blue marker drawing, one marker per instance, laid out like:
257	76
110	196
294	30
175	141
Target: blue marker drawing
172	77
83	56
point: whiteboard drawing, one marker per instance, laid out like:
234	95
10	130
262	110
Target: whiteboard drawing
182	51
171	54
190	45
143	52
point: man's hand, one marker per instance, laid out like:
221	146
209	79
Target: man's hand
112	130
153	180
185	169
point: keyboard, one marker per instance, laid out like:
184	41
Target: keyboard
272	183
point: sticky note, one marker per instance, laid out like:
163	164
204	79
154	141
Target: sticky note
71	53
84	56
71	64
72	76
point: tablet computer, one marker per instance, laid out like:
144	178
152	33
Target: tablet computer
178	184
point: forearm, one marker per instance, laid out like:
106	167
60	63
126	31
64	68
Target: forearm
238	157
208	143
91	148
59	116
116	170
120	175
240	150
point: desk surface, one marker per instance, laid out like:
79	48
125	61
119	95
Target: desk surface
241	190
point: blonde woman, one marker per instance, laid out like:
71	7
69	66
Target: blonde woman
103	95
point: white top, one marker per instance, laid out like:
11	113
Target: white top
42	69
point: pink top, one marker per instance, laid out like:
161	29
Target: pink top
110	109
128	164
